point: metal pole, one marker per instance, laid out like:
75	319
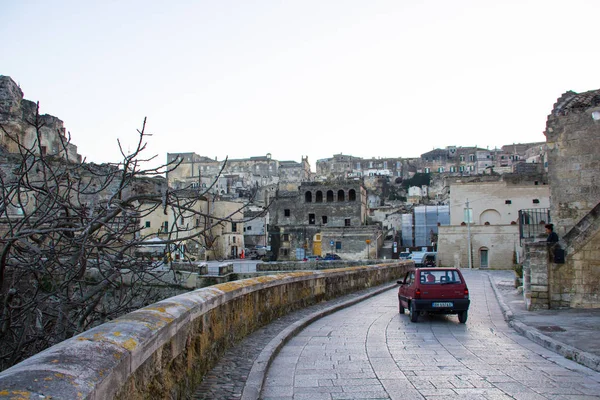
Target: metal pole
469	235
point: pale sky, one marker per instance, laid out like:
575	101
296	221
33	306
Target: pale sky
370	78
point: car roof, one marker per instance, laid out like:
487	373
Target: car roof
437	269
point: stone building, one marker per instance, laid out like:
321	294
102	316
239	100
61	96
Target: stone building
234	178
16	116
205	229
320	218
344	167
553	279
478	161
494	204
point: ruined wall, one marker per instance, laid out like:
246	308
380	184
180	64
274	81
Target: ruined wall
573	142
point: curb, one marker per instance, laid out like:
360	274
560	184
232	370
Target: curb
258	372
584	358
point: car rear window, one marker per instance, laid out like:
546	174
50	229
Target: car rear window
440	276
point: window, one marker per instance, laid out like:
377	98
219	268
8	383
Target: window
427	170
507	201
233	239
286	212
352	195
461	168
536	201
338	245
165	226
308	197
329	196
197	222
284	252
441	169
341	195
249	228
233	227
311	219
324	219
347	222
319	196
147	224
285	237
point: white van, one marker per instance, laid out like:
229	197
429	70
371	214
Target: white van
424	258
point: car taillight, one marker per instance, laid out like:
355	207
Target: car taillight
466	293
418	293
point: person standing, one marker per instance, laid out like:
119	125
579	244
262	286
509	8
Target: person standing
552	236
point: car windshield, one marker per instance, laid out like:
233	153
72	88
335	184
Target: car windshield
440	276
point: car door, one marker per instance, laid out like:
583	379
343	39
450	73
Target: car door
407	288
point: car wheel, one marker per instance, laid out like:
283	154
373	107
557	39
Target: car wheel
462	316
401	308
414	314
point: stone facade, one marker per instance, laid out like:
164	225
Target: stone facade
573	140
235	178
493	246
16	113
307	220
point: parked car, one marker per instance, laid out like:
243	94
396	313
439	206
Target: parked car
331	257
312	258
404	255
434	291
424	258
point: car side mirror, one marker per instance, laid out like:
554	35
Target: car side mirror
400	282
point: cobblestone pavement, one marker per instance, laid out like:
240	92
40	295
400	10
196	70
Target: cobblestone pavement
369	351
227	379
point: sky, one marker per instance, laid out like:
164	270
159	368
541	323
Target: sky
305	78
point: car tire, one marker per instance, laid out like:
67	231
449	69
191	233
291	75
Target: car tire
400	308
462	316
414	314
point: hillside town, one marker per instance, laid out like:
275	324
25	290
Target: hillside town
356	208
71	229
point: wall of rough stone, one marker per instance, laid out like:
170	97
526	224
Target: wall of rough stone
164	350
573	141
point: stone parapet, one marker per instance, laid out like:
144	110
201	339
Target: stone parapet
164	350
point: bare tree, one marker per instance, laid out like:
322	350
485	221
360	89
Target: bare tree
69	235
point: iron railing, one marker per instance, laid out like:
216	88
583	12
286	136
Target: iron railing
532	223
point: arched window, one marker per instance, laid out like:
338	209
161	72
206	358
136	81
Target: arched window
341	195
329	196
319	196
352	195
308	197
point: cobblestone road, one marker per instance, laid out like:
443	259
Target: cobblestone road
227	379
369	351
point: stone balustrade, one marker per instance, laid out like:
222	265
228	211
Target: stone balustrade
164	350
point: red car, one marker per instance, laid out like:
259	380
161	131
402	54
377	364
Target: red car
435	291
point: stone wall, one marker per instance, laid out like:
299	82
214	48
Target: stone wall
164	350
573	141
500	241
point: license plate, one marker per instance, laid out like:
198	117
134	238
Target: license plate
443	304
